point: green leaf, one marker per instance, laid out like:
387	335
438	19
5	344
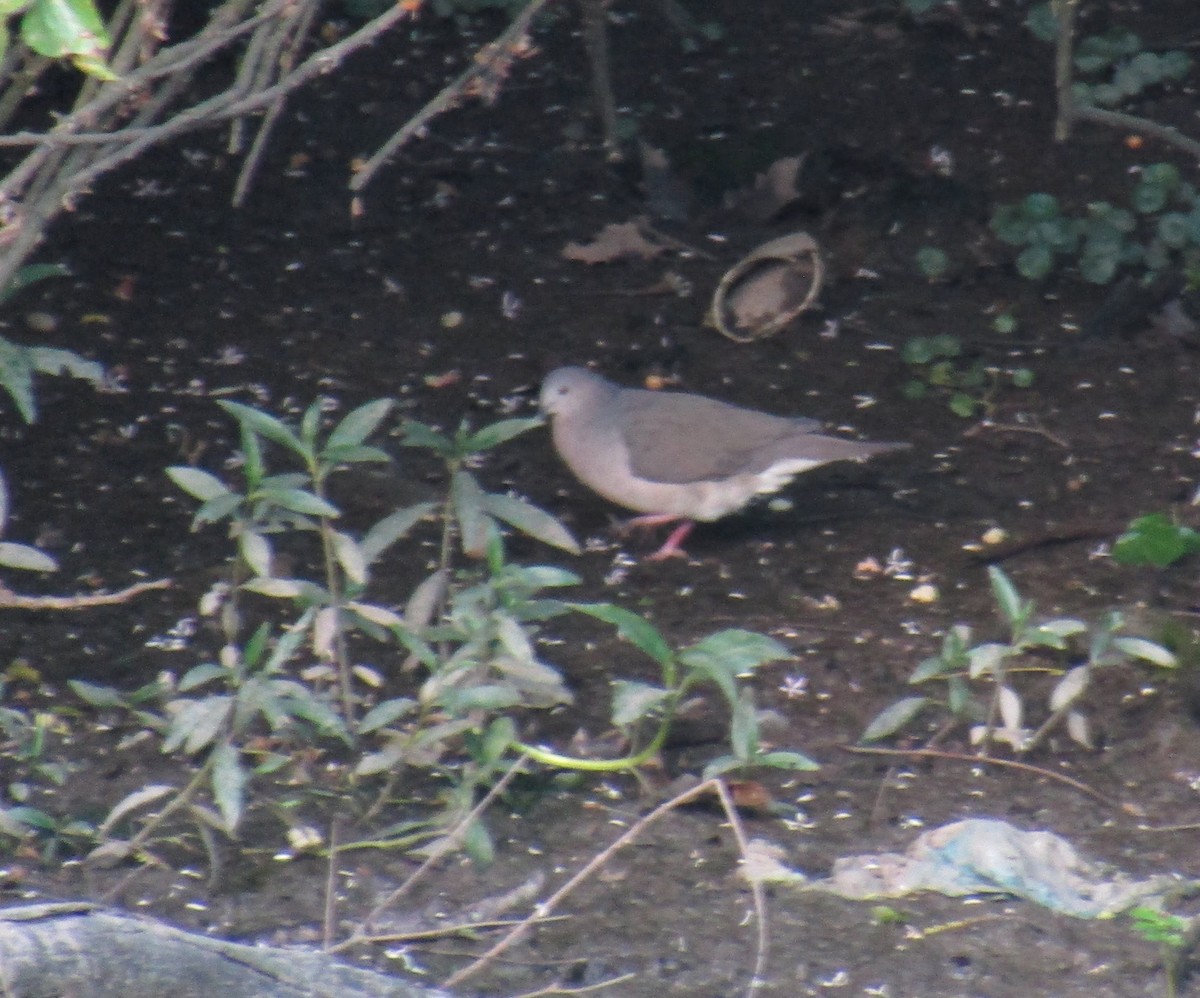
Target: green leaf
265	426
96	696
1155	540
1146	650
530	520
255	550
918	350
1042	23
1005	323
383	714
218	509
984	659
794	761
420	435
310	423
1012	607
1010	225
25	558
297	500
500	736
1040	207
360	454
196	677
933	667
963	405
93	65
229	784
1175	64
467	501
1060	234
359	424
132	802
1099	267
743	727
946	345
198	484
59	28
636	630
734	652
499	433
1173	229
1057	631
379	615
486	696
350	556
16	377
634	701
197	723
1147	67
1155	186
1035	262
891	719
477	843
392	528
34	272
277	588
932	262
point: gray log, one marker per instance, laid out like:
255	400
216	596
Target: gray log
77	949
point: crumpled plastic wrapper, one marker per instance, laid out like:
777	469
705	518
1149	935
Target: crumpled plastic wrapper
976	856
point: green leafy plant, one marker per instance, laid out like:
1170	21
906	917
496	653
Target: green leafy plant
19	556
19	363
471	628
1171	933
939	369
932	262
61	29
57	836
1119	67
1157	540
988	685
1160	229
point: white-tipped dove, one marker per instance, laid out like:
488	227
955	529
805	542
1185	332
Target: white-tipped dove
680	457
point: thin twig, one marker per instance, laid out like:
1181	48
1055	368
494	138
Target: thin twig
758	977
1135	123
598	861
286	61
991	424
14	601
491	61
993	761
329	919
451	841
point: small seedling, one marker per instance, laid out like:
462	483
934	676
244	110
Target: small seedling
1155	540
1171	933
932	263
988	684
936	362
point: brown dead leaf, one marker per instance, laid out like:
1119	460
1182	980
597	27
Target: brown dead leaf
615	241
773	190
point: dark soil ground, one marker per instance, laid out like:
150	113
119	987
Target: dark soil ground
288	300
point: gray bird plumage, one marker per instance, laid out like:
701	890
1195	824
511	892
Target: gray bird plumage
678	456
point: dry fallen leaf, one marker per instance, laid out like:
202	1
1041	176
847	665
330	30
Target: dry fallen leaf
617	240
773	190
